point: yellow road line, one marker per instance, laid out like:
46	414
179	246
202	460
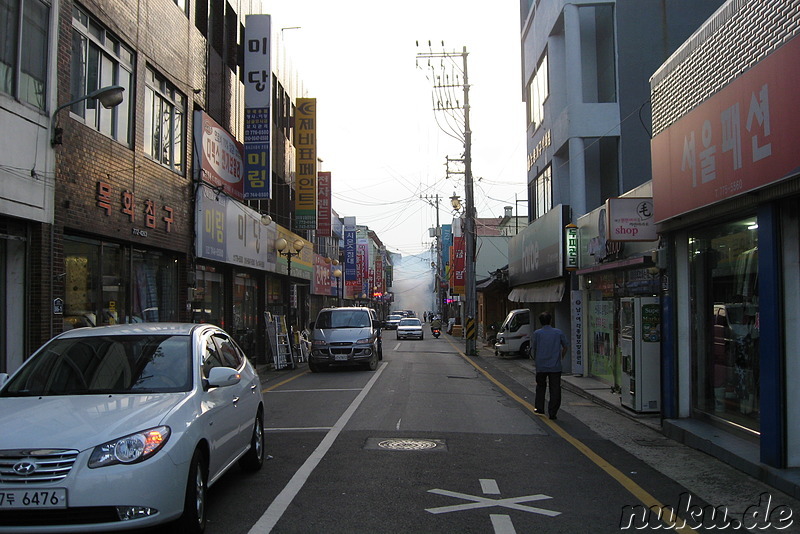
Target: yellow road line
635	489
279	384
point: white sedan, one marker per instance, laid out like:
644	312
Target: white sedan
125	426
410	328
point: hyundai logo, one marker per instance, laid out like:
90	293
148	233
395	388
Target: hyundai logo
24	468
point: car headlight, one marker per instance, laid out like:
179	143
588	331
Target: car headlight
130	449
366	340
319	343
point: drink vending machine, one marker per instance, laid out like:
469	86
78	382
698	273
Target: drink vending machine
640	345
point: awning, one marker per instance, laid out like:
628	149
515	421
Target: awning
551	291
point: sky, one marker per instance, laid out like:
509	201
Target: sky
377	131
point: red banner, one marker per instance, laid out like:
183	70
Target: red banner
459	266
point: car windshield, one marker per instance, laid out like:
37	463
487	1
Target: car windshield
394	318
343	319
106	364
410	322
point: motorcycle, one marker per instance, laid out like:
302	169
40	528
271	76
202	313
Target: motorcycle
436	332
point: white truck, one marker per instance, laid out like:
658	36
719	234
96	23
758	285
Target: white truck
514	336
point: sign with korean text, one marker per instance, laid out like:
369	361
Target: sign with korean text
321	283
305	143
324	204
257	98
571	242
740	139
576	314
630	219
459	266
220	156
350	252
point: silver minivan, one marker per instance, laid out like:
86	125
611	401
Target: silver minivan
345	336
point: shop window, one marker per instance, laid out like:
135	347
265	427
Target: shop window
208	304
108	283
724	286
245	311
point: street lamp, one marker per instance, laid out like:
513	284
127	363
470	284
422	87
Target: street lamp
108	96
285	249
338	275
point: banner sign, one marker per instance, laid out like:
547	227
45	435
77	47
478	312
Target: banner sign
350	267
459	266
220	156
324	204
732	143
305	143
257	101
230	232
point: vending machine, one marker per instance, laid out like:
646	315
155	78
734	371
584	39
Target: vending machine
640	345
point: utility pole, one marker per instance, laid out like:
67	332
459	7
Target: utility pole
457	126
437	279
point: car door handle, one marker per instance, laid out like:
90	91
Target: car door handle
253	388
235	401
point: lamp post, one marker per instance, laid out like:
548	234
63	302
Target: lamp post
338	275
108	96
285	249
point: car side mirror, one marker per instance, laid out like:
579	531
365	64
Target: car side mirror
223	376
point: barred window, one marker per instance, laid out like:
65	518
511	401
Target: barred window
164	122
99	59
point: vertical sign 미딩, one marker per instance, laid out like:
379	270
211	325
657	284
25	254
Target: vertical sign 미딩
305	142
257	99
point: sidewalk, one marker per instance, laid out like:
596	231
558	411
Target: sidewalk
739	453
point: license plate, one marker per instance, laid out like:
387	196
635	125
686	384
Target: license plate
340	357
25	499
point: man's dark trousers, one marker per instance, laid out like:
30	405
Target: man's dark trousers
555	392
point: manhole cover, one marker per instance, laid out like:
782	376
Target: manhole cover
405	444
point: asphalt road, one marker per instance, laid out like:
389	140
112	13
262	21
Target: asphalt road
436	442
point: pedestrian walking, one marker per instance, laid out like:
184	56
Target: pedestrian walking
548	347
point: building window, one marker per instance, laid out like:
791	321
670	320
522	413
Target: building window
724	289
538	91
183	5
23	69
541	193
98	60
164	118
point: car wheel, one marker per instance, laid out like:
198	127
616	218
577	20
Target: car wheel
254	458
372	364
313	367
193	520
523	350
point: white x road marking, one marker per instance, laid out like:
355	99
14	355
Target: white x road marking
485	502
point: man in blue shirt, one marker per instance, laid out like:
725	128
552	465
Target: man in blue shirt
548	347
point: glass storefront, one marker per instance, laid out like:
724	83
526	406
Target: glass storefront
208	304
724	291
108	283
245	312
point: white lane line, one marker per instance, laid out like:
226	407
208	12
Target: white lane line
277	508
502	524
311	390
489	486
398	345
397	426
296	428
